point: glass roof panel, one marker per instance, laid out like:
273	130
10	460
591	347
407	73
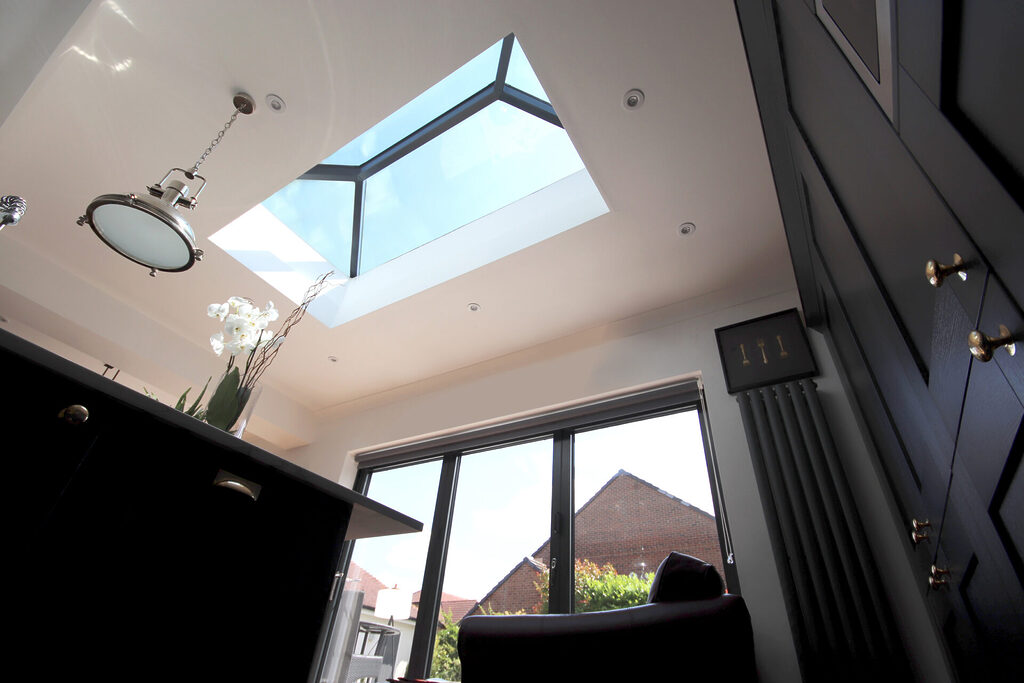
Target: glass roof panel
495	157
320	212
521	75
467	80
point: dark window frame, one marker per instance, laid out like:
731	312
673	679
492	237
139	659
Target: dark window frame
497	90
561	427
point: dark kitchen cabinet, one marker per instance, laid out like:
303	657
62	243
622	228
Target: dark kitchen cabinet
875	193
982	533
156	547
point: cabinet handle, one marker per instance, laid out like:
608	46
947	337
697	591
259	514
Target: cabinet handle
937	578
232	482
983	346
74	414
918	534
937	272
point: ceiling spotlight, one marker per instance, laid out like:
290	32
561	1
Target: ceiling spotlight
333	359
634	99
474	307
687	229
276	103
149	230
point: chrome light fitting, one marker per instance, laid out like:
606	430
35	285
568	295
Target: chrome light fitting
12	208
150	230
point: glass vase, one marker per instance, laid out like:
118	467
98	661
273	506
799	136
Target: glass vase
245	413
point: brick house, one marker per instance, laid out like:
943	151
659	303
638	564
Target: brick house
630	524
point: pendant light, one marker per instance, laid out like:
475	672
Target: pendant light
150	230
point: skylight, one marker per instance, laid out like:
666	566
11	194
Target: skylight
453	170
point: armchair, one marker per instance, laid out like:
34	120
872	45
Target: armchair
688	628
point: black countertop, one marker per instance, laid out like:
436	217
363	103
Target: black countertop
369	518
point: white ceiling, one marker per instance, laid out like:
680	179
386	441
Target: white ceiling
136	87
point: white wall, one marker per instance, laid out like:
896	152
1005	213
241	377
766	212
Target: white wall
668	344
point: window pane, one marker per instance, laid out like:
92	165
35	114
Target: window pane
320	212
521	75
499	533
497	156
467	80
389	561
641	491
502	516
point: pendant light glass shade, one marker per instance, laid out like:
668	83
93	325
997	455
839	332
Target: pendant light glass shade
148	231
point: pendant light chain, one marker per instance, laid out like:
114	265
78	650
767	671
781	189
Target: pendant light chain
215	141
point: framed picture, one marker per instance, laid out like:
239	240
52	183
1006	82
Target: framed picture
766	350
863	30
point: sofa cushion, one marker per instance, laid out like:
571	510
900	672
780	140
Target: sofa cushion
682	577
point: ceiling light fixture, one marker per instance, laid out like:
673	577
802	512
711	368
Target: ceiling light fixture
149	230
687	229
633	99
276	103
473	307
12	208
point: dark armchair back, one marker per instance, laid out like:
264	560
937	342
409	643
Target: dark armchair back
688	630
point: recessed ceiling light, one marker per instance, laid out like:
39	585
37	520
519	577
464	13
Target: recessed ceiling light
633	99
276	103
474	307
3	319
333	359
687	229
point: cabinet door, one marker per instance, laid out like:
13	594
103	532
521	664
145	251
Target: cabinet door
146	567
960	104
925	412
982	535
50	412
898	219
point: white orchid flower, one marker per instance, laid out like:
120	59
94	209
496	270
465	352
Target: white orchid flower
235	325
235	347
219	311
217	342
247	311
271	313
237	301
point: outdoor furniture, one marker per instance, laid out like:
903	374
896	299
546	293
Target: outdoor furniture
380	664
343	638
689	629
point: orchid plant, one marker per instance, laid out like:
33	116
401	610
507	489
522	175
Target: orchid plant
251	347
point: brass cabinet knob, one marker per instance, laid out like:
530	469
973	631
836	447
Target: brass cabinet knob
982	346
919	534
74	414
937	272
937	577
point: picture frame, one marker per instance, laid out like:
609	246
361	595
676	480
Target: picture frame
863	31
767	350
